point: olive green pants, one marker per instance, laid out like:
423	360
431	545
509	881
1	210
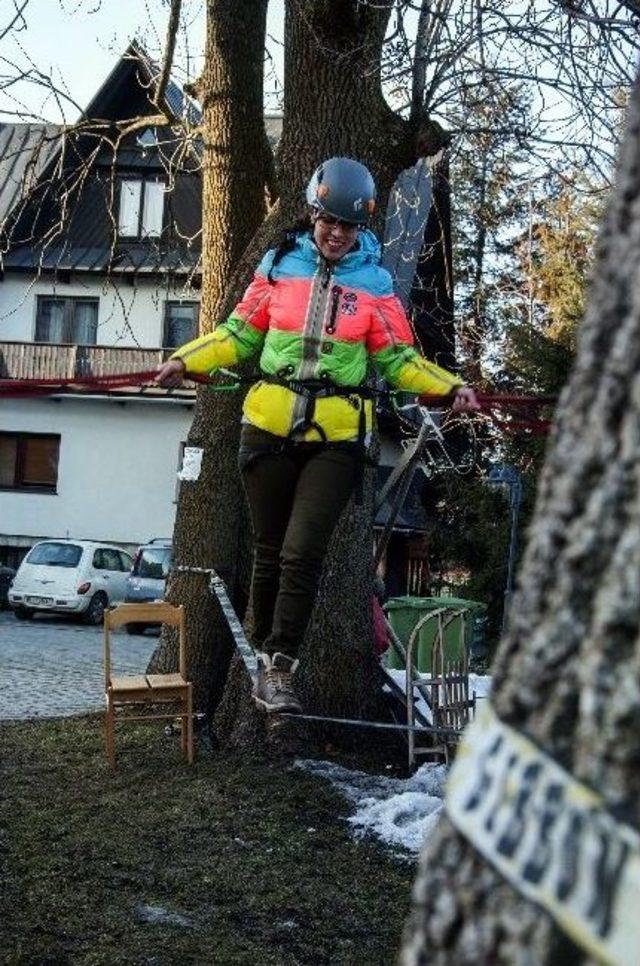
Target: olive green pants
296	497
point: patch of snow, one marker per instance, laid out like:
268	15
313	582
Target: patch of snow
401	812
481	684
400	678
157	915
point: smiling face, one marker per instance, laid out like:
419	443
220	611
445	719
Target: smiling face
333	237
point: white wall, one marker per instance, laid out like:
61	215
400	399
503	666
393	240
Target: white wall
128	315
116	472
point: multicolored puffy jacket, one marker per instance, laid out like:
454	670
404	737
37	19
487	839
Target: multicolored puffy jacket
318	320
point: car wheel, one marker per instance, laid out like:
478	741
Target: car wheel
23	613
94	613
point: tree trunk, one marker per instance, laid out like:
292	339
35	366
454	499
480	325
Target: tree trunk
209	530
333	105
567	670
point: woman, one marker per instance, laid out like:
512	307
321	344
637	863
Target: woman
319	309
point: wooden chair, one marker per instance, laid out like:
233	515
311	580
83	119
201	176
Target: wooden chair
147	689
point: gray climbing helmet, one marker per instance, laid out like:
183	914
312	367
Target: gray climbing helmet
343	188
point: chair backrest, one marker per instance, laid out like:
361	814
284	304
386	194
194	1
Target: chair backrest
154	612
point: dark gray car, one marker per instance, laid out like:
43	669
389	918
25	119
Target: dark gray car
148	577
6	576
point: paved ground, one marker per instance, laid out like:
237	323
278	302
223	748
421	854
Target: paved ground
52	666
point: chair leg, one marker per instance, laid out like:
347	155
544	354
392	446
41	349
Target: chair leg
109	731
190	724
184	737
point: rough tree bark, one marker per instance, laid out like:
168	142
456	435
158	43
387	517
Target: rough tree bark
567	672
208	530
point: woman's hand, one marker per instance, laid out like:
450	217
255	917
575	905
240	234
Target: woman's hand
171	374
465	400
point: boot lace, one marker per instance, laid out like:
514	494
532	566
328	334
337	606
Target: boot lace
280	680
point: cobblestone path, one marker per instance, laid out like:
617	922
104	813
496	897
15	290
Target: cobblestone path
51	667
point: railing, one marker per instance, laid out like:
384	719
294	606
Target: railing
40	360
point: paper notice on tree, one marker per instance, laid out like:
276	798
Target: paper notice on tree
191	464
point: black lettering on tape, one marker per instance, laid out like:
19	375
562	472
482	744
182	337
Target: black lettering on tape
541	853
612	858
484	783
513	831
499	787
570	857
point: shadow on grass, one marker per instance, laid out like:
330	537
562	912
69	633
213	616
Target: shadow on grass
228	862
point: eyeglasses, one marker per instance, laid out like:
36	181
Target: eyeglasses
330	222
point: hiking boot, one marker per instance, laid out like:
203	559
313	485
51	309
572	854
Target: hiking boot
274	690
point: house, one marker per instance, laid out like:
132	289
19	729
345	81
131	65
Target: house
100	273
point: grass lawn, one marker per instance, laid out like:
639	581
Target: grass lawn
230	861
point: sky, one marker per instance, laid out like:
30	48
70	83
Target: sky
78	42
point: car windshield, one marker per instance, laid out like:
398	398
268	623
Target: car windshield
55	555
153	562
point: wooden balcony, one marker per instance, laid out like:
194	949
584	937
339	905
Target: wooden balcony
41	360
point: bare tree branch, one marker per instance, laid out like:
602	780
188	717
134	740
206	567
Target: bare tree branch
167	62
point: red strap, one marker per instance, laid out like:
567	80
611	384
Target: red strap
47	387
522	408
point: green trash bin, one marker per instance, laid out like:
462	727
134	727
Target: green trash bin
403	613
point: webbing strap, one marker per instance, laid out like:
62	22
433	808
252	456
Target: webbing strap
523	411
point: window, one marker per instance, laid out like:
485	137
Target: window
148	138
181	323
29	461
154	562
106	558
67	320
126	562
141	212
55	555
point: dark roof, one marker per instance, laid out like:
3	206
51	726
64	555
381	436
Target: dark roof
86	242
136	61
130	259
25	149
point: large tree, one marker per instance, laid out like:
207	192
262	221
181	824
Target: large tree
336	55
209	531
333	105
567	670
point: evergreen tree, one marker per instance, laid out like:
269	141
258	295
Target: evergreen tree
488	210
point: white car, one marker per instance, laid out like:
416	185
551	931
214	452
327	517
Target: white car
70	577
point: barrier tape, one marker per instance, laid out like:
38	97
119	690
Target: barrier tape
549	836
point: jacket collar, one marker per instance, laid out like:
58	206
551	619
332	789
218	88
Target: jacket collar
366	252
